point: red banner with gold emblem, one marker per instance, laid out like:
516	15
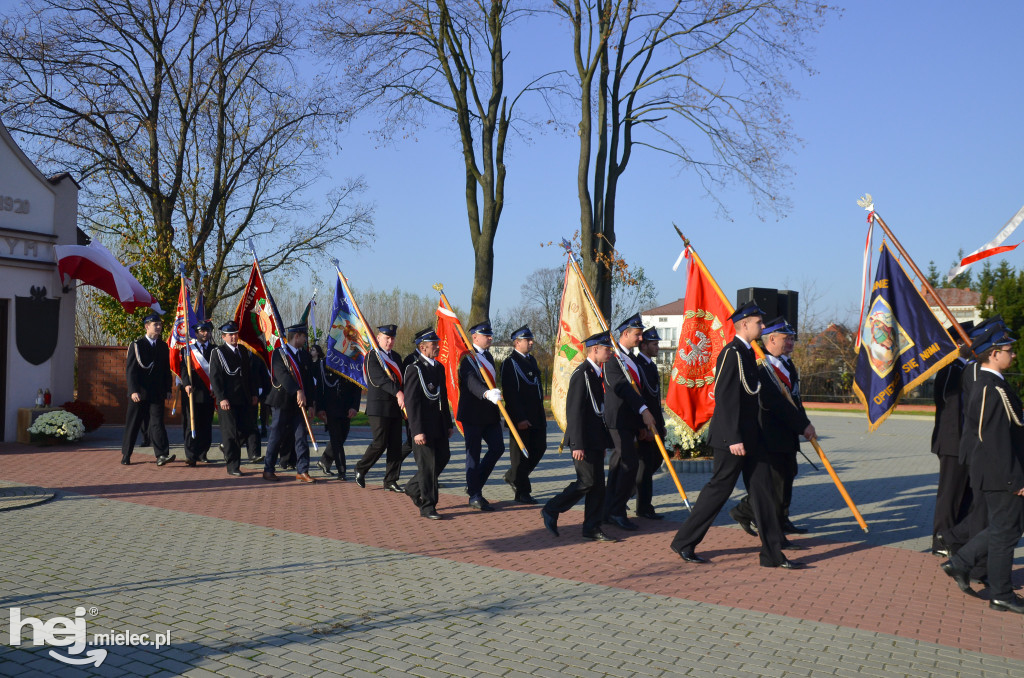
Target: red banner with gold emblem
259	324
705	330
450	352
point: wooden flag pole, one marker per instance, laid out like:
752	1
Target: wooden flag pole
483	373
636	387
188	364
760	355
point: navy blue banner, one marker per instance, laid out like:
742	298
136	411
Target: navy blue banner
347	343
902	343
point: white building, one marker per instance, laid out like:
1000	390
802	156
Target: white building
37	317
962	303
668	319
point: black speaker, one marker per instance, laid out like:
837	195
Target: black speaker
789	306
765	297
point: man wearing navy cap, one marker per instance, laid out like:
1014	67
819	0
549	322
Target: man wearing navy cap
383	372
524	401
735	438
479	415
588	439
994	424
647	448
235	388
292	390
148	372
628	418
430	421
197	352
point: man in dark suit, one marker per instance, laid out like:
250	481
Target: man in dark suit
993	422
430	421
234	387
648	453
195	376
148	372
292	390
952	498
783	420
524	401
738	449
628	418
479	415
383	372
338	399
588	439
256	428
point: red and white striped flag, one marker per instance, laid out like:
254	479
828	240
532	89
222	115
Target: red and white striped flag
991	248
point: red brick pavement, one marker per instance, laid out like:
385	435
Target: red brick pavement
888	590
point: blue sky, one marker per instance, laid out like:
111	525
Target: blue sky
916	102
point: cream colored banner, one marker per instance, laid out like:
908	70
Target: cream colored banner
577	321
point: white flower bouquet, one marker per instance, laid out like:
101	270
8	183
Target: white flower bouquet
58	425
678	434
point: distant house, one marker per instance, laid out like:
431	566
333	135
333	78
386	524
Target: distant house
668	319
963	304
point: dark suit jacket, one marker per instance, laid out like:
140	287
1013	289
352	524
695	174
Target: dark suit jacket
968	378
427	409
382	390
781	421
474	409
622	402
650	388
584	426
736	410
523	400
200	394
284	385
148	369
948	415
993	418
232	377
336	395
260	374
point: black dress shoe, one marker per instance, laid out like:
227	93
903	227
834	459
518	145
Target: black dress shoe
962	579
512	484
793	546
789	528
360	479
649	515
598	535
323	467
550	521
256	460
393	487
205	460
525	499
940	547
480	505
745	523
126	462
190	463
689	556
234	473
1013	604
983	581
433	515
160	461
790	565
623	523
343	476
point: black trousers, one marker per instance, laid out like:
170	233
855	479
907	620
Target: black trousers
650	460
952	500
589	484
153	414
622	468
387	437
757	477
783	469
337	430
536	440
253	440
234	428
997	541
198	445
967	529
431	459
479	470
287	425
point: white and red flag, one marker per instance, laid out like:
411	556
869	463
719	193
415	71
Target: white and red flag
991	248
94	265
181	329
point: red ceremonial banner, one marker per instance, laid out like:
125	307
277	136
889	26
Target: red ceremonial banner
259	325
450	353
705	330
181	330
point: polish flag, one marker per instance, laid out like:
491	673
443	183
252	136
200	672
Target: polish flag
993	247
94	265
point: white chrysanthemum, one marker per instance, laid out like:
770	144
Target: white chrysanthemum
58	424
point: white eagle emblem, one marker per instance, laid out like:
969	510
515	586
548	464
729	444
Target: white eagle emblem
699	354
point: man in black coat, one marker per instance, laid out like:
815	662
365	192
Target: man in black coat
479	415
195	376
292	391
383	373
235	388
649	454
148	372
524	401
338	399
993	420
628	418
256	425
430	421
738	449
588	438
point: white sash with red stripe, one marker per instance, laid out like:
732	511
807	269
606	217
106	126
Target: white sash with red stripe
391	365
200	365
486	364
630	366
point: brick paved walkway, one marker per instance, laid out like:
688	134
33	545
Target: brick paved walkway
276	579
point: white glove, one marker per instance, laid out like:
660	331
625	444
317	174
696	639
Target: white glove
494	395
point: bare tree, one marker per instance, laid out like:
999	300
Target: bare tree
702	81
541	303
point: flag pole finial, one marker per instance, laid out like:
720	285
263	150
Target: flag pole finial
439	287
867	202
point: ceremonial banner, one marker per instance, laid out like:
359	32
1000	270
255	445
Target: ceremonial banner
347	343
705	330
94	265
181	330
452	348
577	320
259	324
200	303
902	343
